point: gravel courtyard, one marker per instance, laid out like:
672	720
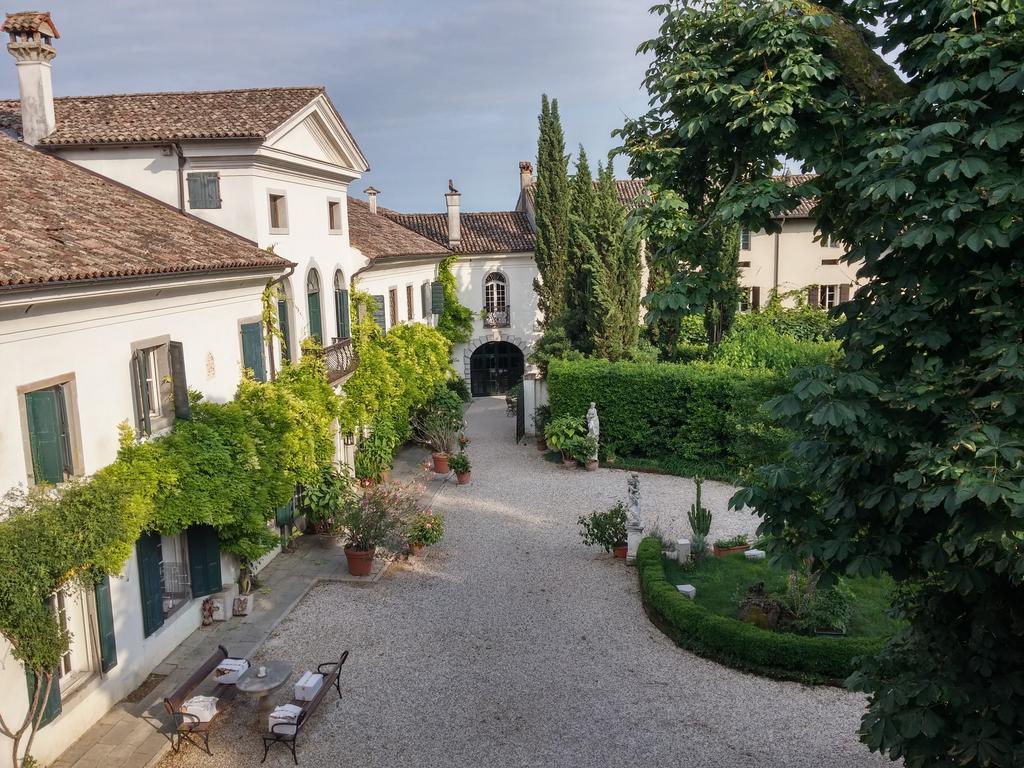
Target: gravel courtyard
512	644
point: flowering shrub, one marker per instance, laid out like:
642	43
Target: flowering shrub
380	516
425	528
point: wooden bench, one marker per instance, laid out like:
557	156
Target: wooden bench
287	733
185	725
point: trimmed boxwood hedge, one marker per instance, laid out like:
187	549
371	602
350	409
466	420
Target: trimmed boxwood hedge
707	417
738	644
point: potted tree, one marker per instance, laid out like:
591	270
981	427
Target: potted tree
425	528
459	464
561	433
584	449
606	529
324	499
541	418
439	424
374	520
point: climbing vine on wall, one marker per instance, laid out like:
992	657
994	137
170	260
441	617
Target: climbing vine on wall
456	320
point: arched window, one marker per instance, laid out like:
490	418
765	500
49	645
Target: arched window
313	303
341	311
496	301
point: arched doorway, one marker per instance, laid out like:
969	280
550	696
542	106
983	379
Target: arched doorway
494	367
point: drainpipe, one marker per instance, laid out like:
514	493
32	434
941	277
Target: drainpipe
176	146
270	336
775	279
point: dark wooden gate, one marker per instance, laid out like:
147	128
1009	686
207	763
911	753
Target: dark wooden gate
494	367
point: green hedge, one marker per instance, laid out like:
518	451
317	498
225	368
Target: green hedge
707	417
738	644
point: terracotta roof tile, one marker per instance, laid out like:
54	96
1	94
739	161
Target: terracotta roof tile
491	232
146	117
62	223
377	236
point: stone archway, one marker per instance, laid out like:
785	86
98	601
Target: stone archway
494	363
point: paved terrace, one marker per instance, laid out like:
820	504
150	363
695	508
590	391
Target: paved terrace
511	644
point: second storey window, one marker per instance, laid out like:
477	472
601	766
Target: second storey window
203	190
410	304
393	304
495	292
278	212
158	384
334	216
49	434
828	296
745	240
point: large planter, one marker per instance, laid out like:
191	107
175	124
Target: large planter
569	463
415	550
620	551
591	465
328	541
441	463
360	561
542	444
462	477
722	552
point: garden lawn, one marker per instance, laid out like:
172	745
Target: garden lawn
722	582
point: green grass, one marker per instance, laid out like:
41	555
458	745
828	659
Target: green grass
722	582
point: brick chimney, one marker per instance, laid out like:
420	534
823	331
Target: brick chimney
451	199
371	197
31	45
525	174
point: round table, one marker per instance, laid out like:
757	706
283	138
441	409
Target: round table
250	682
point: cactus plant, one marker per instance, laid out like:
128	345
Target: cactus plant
700	521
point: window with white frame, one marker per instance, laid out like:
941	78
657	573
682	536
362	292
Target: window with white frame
334	216
278	212
828	296
495	292
69	609
745	240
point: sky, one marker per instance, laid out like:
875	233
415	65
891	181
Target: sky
431	89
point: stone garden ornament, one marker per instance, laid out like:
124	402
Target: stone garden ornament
634	526
594	427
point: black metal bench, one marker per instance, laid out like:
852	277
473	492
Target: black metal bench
287	733
185	725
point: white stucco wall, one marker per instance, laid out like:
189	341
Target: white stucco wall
519	269
378	279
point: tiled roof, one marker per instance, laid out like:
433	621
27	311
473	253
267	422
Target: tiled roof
59	223
146	117
493	232
378	237
803	209
629	190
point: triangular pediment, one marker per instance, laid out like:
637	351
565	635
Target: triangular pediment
316	132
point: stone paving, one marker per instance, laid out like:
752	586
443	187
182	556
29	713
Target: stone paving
511	644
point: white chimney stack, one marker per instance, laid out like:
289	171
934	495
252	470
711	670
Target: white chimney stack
525	174
371	197
31	45
454	223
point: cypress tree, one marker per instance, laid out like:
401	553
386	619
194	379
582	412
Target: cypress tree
551	207
606	316
583	262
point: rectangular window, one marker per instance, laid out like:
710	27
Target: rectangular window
744	264
378	312
828	296
410	303
393	304
278	212
750	298
203	190
334	216
744	300
252	350
745	240
152	386
49	435
425	300
68	606
829	262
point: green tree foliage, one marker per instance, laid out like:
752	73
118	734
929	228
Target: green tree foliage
552	213
583	271
456	321
909	457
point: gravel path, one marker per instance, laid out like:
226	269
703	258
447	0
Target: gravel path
511	644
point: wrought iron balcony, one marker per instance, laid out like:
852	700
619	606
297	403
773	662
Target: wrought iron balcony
340	357
498	317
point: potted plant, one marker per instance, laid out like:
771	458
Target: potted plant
560	434
606	529
373	458
738	543
460	465
584	449
700	522
439	424
324	499
425	528
541	418
374	520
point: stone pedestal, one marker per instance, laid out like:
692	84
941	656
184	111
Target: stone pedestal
754	554
683	550
634	535
687	590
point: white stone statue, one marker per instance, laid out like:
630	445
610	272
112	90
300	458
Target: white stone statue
594	427
634	527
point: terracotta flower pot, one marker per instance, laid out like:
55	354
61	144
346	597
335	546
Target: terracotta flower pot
591	465
441	463
462	477
415	550
360	561
720	552
569	463
620	551
385	476
542	444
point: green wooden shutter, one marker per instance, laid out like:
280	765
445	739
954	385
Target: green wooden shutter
204	560
286	331
813	297
105	625
342	310
46	433
436	298
140	392
755	297
149	553
204	190
379	316
315	327
252	350
50	704
179	383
